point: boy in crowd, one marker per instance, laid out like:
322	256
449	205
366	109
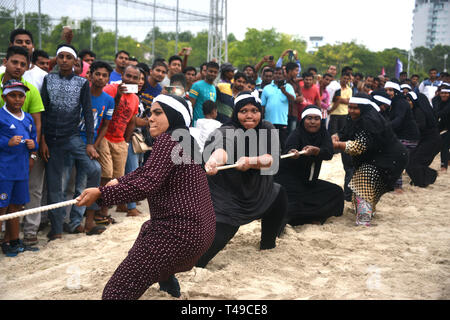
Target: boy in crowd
208	124
16	64
102	108
17	140
191	76
113	150
204	90
66	97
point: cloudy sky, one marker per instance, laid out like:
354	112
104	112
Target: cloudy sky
376	24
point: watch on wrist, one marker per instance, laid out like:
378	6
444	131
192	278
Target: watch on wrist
33	156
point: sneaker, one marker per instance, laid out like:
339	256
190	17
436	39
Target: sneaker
11	251
26	247
363	219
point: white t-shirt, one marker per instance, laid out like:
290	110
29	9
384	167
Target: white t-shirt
205	128
165	82
35	76
332	88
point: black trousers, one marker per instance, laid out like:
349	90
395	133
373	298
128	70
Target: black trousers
283	134
271	224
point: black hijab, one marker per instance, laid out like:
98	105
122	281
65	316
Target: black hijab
306	168
421	102
179	115
305	137
370	121
244	98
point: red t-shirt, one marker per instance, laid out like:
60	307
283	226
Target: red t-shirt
123	113
311	95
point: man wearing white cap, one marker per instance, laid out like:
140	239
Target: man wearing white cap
66	97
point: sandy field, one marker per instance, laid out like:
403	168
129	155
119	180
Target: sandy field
404	255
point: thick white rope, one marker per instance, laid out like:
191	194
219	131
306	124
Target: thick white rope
37	210
74	201
284	156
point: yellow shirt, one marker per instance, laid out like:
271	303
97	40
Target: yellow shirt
342	109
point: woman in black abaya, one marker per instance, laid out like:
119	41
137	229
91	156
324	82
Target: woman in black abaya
429	144
310	199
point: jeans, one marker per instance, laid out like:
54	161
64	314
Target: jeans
82	181
62	158
131	165
36	184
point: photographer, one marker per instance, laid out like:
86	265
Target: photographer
275	100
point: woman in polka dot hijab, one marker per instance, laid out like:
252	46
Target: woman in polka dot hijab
182	224
378	156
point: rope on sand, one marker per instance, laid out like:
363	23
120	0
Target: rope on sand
37	210
74	201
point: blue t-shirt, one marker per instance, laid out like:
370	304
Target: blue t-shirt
14	161
115	77
102	108
201	91
276	103
149	94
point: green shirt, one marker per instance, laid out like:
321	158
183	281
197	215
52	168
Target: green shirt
33	102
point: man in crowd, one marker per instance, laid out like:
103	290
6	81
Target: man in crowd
17	61
204	90
121	61
310	92
429	86
295	107
175	66
275	100
153	88
66	97
191	74
415	83
113	149
87	56
267	78
41	59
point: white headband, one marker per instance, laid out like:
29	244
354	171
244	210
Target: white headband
405	86
413	95
382	99
247	96
445	90
356	100
392	85
178	106
312	111
67	49
373	104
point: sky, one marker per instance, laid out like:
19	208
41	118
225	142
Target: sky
377	24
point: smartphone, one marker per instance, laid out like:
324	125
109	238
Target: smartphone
281	83
178	91
131	88
271	58
291	55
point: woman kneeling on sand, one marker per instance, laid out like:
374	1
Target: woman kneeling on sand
182	224
378	156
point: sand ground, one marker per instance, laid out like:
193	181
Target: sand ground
404	255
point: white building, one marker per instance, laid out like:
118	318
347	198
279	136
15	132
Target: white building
314	43
431	23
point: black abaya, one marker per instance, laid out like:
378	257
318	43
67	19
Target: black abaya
310	199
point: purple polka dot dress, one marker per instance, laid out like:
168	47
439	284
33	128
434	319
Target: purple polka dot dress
182	224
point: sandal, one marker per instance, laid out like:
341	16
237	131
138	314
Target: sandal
96	230
104	220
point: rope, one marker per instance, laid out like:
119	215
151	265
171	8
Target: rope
37	210
72	202
284	156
